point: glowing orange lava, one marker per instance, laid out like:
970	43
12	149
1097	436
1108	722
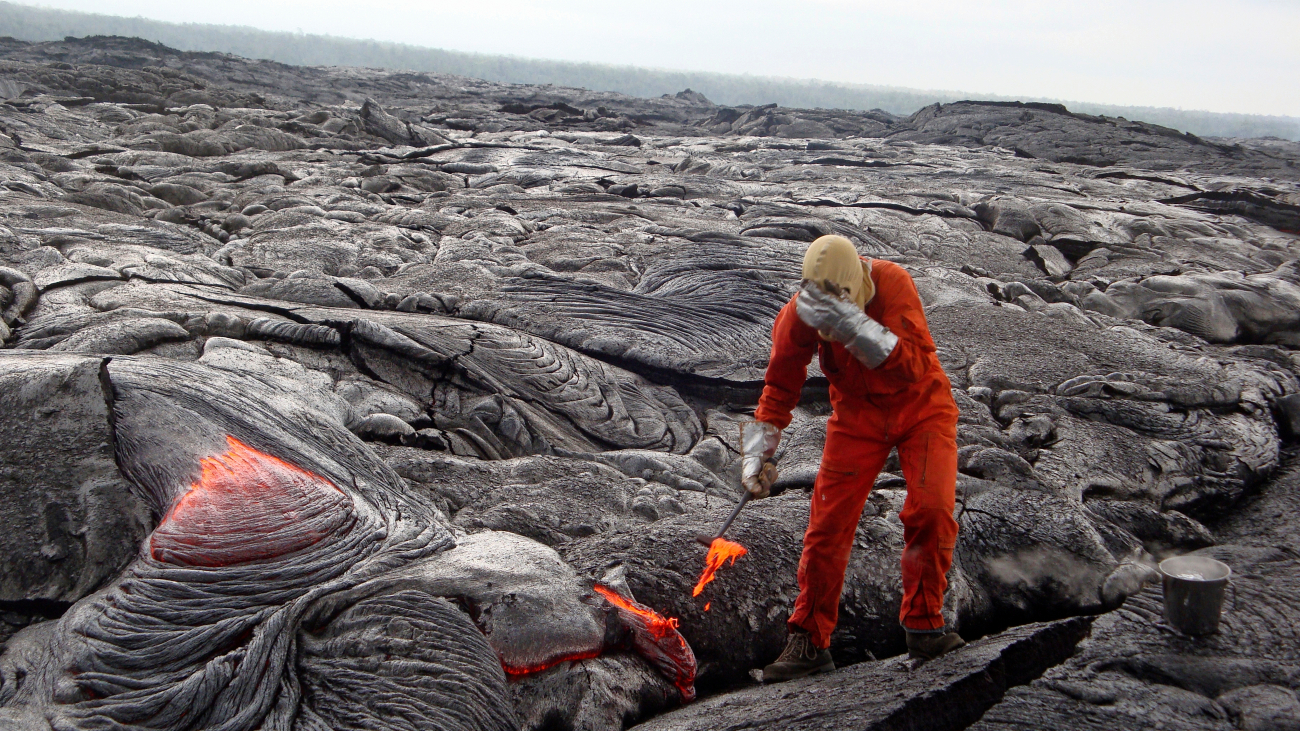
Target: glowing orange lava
655	637
248	505
517	670
719	551
658	624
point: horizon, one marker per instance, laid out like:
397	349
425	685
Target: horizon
1250	50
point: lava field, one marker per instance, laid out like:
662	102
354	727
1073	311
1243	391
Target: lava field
341	398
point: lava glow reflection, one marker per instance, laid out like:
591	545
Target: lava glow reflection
719	551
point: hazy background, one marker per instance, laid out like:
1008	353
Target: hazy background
1211	68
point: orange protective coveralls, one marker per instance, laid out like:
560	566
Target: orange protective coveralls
905	403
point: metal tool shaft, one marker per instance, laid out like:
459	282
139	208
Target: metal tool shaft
727	523
731	518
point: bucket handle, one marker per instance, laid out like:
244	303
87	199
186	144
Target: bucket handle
1233	585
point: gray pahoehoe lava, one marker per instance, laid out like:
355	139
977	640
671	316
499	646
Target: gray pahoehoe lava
341	398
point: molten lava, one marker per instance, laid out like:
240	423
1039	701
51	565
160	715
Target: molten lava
518	670
719	551
658	625
246	506
655	637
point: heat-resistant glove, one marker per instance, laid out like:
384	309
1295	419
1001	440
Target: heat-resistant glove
758	441
841	320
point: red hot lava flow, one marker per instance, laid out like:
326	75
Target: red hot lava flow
247	506
719	551
655	637
658	625
519	670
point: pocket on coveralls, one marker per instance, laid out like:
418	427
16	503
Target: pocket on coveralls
835	473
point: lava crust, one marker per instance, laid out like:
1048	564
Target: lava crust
351	398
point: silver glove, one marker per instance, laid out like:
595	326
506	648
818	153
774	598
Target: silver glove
758	442
841	320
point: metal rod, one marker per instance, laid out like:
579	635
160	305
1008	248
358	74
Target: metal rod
743	499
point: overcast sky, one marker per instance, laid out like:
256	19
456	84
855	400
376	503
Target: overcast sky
1224	56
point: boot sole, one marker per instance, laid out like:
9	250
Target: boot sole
780	678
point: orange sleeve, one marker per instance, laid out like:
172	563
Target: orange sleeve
897	306
793	345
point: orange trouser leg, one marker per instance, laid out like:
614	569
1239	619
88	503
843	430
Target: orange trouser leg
856	449
929	461
850	462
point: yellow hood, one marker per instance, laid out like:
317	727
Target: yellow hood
833	259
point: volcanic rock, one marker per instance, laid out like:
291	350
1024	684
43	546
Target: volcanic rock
1134	667
948	693
337	397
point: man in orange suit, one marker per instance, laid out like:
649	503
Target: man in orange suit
865	321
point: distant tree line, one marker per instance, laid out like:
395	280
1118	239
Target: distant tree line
44	24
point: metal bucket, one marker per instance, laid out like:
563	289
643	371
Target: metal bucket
1194	587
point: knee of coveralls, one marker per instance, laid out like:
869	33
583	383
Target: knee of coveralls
929	462
851	461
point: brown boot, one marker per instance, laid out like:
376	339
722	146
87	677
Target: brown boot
799	659
929	645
